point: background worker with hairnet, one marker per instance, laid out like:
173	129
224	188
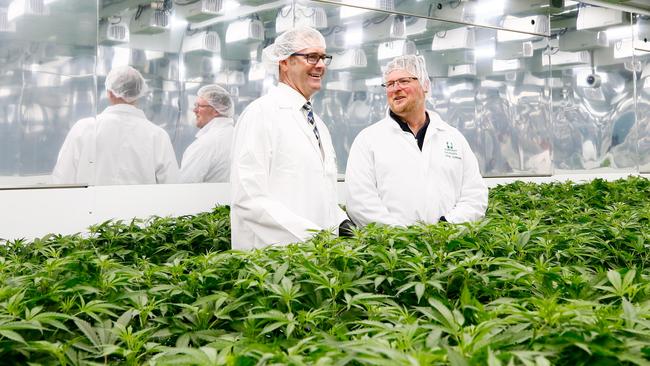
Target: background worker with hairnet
207	159
284	173
411	166
119	146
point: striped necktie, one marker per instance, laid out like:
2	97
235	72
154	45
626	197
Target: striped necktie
312	122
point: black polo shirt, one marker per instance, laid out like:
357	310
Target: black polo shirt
405	127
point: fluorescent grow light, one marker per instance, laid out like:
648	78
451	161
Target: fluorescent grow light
592	17
388	50
349	59
506	65
205	41
561	58
245	30
20	8
298	15
453	39
532	24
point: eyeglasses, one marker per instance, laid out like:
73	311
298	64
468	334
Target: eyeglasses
201	105
313	58
403	82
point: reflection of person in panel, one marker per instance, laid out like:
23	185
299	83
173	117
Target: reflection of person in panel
207	159
283	177
411	166
119	146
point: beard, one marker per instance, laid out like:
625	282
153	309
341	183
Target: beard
404	106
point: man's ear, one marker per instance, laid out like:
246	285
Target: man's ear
283	64
427	86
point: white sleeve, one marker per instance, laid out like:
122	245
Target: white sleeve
362	197
166	165
473	199
220	170
195	164
67	163
252	202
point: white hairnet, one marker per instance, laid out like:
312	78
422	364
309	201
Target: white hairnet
414	65
218	98
290	42
127	83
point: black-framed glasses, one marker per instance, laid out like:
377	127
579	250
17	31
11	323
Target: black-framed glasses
402	82
313	58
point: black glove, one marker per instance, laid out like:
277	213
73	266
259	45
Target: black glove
346	228
442	219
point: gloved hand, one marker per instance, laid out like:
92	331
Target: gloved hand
346	228
442	219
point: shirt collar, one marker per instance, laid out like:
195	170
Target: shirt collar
215	124
123	107
289	97
436	121
403	125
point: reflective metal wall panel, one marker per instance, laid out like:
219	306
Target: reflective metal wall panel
47	65
530	16
186	131
489	86
538	87
593	93
643	113
49	106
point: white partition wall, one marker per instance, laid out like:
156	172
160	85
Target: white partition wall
540	89
33	213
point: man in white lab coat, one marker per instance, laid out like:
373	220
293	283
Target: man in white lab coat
207	159
411	166
284	173
119	146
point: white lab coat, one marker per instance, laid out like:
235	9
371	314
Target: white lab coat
390	181
207	159
120	146
283	188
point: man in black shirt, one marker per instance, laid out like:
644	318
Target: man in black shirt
411	166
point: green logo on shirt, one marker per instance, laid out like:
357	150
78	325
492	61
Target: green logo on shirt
451	151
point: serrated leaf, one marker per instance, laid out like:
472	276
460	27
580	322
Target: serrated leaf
542	361
14	336
433	339
455	358
379	280
271	327
419	290
614	278
279	273
492	359
89	332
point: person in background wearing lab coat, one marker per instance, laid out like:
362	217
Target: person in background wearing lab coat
284	172
411	166
119	146
207	159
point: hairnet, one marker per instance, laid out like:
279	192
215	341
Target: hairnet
414	65
127	83
290	42
218	98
